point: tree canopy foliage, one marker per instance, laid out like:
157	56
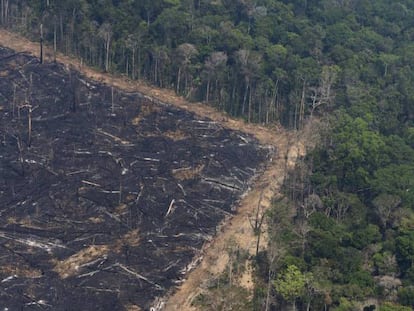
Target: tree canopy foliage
266	60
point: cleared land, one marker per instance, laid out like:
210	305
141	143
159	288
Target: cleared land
132	114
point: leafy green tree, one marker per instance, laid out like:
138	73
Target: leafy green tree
395	180
291	284
405	253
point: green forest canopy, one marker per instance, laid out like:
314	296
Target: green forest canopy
262	60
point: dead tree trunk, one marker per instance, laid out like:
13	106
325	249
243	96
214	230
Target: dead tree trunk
302	106
257	223
20	148
112	101
54	38
75	91
207	90
41	43
14	100
178	80
29	127
4	12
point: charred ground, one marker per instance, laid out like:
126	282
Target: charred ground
107	200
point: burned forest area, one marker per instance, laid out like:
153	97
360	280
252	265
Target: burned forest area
106	197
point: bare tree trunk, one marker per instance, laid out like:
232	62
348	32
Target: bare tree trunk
207	90
107	45
61	29
112	100
178	80
120	189
295	116
127	66
29	125
302	105
274	101
139	63
249	117
186	83
6	12
75	91
216	92
160	67
54	39
72	31
257	223
20	147
245	98
41	43
2	12
133	64
14	99
233	94
155	71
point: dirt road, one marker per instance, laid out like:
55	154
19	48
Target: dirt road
287	147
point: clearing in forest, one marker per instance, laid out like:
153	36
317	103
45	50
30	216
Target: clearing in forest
107	191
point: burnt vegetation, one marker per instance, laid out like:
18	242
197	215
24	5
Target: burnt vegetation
106	198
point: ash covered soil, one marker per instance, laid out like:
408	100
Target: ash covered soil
106	198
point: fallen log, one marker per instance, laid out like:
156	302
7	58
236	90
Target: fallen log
170	208
137	275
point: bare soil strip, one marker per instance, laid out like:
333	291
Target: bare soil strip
287	148
238	229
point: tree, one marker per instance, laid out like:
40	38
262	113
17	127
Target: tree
212	66
249	66
291	284
385	205
323	93
357	153
4	12
405	253
105	33
41	43
395	180
184	53
134	42
256	222
160	59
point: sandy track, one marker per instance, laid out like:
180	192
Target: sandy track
286	145
239	229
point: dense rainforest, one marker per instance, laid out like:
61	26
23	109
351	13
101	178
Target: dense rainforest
343	237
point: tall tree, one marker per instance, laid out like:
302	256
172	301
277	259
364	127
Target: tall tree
184	53
105	33
212	65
